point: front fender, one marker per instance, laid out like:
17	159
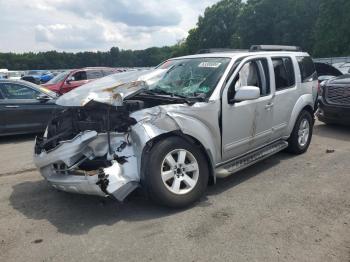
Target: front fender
159	122
304	101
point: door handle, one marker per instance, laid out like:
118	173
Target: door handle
269	106
12	106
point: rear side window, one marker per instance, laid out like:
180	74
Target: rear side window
284	72
307	69
94	74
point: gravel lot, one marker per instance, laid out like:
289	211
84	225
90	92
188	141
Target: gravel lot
285	208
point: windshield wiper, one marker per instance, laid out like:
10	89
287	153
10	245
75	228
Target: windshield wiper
188	100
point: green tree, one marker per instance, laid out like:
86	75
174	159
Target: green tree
332	31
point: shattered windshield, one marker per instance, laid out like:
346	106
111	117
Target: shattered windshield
192	77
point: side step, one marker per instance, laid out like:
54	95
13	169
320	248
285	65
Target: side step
250	159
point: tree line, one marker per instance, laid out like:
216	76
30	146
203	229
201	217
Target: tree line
320	27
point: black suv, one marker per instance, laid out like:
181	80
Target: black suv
334	101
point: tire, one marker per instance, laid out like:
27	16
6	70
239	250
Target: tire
300	139
166	180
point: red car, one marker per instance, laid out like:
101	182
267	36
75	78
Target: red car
66	81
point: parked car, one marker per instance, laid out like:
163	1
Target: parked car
324	72
24	107
173	130
334	101
67	81
38	76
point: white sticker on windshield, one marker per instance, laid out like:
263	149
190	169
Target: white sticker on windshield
209	64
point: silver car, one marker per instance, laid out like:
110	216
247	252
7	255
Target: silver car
177	128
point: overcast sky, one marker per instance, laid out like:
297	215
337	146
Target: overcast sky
79	25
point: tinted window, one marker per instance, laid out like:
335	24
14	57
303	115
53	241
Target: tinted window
79	76
94	74
284	72
253	73
307	68
15	91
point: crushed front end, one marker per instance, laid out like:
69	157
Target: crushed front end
88	150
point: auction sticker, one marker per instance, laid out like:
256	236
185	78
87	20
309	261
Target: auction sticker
209	64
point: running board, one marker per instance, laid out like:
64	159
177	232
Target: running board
250	159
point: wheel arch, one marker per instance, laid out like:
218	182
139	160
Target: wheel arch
304	103
177	133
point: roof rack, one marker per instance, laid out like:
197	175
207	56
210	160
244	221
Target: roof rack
255	48
219	50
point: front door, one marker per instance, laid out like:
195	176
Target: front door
247	125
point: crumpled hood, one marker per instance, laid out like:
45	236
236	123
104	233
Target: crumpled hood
112	89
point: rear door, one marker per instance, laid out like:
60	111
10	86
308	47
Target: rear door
20	111
286	93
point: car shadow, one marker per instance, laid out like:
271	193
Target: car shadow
16	139
333	131
76	214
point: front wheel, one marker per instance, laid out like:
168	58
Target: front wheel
300	138
177	174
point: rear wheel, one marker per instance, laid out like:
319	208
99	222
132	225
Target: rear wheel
177	174
300	138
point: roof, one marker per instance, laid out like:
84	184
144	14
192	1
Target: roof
238	54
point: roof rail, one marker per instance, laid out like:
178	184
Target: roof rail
255	48
219	50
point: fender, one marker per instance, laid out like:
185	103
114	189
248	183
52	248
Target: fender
158	123
303	101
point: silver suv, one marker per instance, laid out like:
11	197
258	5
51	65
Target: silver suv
175	129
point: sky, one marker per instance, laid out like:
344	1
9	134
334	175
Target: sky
91	25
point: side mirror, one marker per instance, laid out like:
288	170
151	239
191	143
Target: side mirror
246	93
43	98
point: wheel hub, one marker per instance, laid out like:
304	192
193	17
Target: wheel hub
180	171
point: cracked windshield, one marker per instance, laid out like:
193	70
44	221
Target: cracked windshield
195	77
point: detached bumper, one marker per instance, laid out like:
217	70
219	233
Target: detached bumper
60	166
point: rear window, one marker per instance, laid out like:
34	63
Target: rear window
307	69
284	72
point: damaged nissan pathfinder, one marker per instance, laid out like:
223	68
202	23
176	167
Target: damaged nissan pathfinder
174	129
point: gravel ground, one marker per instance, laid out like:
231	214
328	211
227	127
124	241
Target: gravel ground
285	208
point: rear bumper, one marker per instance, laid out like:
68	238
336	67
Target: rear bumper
333	113
60	166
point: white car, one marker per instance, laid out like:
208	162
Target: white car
174	129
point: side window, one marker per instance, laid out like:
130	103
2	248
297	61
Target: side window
94	74
79	76
284	72
307	69
253	73
15	91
